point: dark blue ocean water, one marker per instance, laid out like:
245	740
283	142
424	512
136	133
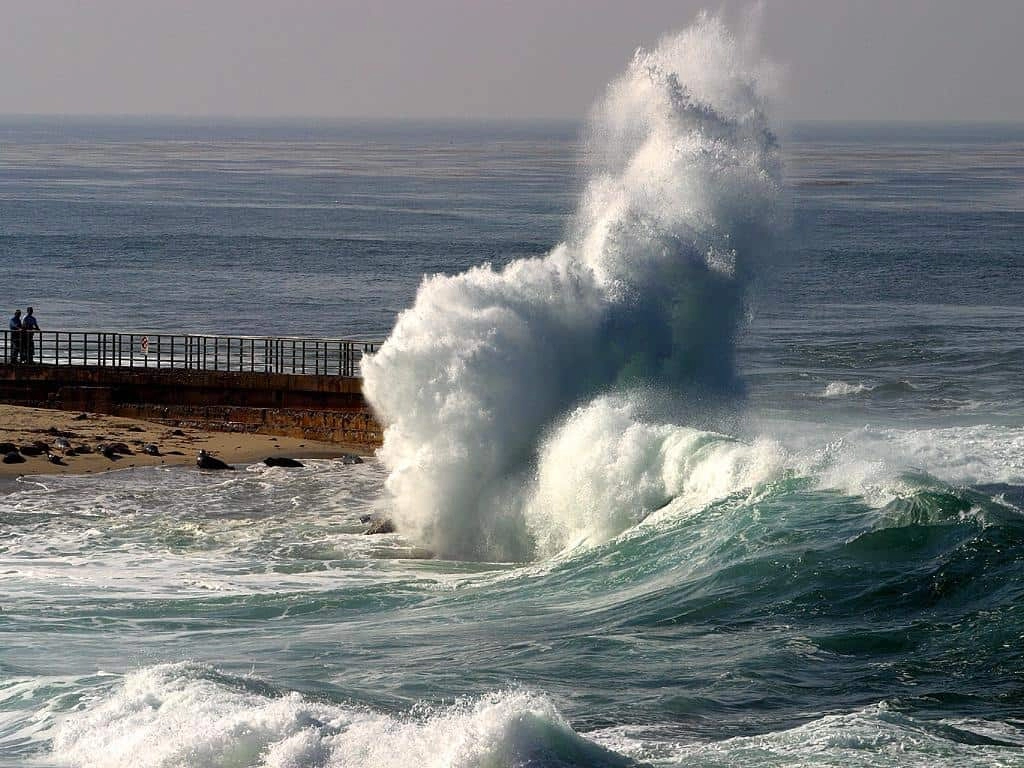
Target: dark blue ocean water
838	583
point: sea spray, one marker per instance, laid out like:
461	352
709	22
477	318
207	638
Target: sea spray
644	294
605	468
189	714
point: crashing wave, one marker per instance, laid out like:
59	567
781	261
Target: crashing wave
644	294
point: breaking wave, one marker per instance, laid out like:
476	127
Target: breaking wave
644	296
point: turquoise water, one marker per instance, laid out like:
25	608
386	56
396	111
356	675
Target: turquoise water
818	562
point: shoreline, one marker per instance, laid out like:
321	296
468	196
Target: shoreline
177	446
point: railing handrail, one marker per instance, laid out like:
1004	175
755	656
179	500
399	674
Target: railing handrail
194	351
330	339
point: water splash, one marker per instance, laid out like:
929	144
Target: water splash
192	715
645	292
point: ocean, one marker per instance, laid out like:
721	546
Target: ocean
706	440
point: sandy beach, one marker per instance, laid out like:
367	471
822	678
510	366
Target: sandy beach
85	431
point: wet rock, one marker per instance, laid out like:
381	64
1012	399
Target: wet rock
380	525
351	458
13	457
151	449
62	444
53	458
80	417
33	449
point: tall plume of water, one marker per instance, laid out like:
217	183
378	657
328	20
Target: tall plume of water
644	294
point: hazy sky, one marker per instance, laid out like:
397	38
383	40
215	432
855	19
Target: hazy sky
852	59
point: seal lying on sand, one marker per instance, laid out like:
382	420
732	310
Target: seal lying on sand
113	451
206	461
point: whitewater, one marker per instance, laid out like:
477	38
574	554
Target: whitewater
703	442
644	296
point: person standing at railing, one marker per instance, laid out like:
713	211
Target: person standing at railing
15	327
29	327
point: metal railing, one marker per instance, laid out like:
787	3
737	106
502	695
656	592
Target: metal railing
262	354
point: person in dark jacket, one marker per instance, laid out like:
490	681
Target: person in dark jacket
29	328
15	338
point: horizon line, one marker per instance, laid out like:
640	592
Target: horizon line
439	119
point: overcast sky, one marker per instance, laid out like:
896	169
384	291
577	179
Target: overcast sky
852	59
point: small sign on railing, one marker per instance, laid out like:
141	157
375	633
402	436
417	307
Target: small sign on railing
145	345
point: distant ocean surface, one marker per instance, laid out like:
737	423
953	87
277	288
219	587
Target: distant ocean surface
836	580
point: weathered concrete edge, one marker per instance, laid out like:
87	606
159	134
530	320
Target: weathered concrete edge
324	408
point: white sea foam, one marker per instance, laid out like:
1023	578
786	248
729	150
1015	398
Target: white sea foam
606	469
873	736
844	389
646	290
873	462
188	715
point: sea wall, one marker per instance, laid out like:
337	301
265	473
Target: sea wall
329	408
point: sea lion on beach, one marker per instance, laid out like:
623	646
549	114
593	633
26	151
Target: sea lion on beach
13	457
62	443
151	448
34	449
53	458
282	461
206	461
7	447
